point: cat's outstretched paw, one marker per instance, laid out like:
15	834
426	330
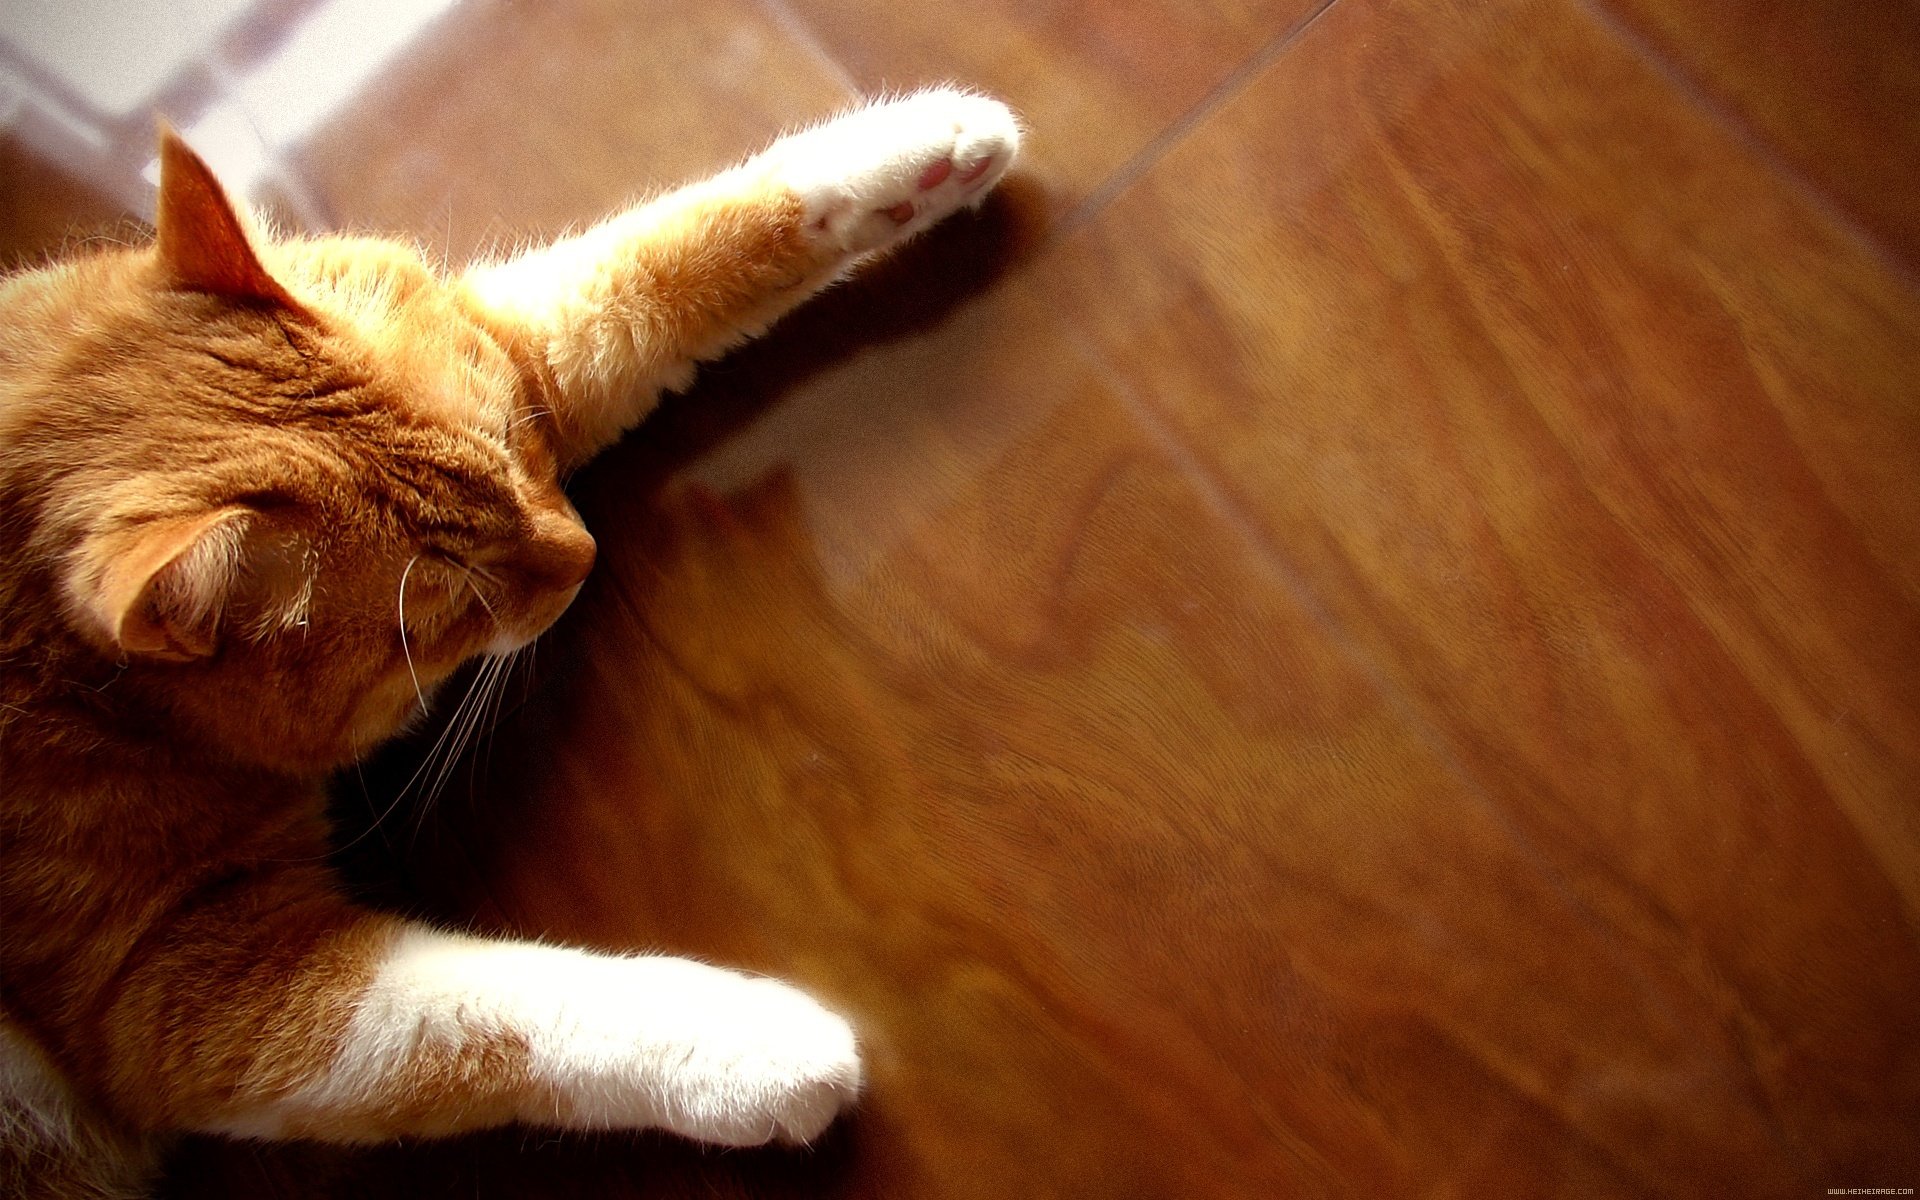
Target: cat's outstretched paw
883	174
775	1066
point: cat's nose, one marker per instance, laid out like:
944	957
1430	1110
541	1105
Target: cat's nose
560	554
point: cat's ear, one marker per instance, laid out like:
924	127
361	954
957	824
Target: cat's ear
203	241
158	587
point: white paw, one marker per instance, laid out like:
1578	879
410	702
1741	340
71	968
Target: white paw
771	1065
610	1042
883	174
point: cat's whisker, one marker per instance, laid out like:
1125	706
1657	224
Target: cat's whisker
418	694
470	724
469	573
499	707
446	748
477	721
401	795
497	704
531	415
467	721
490	704
371	829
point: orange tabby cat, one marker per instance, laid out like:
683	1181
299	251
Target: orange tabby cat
257	499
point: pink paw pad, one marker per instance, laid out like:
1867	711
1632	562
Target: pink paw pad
933	175
901	213
975	171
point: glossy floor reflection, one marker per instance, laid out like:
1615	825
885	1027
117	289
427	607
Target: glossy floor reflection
1357	633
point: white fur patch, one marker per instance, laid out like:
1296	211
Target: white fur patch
36	1106
614	1042
47	1133
858	175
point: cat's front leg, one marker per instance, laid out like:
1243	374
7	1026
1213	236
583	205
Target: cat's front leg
458	1032
628	308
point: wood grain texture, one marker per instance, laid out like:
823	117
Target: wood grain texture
1382	657
1613	498
1107	79
1832	87
44	211
520	121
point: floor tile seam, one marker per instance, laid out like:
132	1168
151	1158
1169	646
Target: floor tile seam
1176	131
1749	137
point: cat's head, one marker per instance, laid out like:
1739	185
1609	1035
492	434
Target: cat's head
290	486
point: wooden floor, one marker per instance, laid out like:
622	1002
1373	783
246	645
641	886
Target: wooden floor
1356	634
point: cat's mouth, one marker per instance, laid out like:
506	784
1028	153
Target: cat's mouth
507	641
405	697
